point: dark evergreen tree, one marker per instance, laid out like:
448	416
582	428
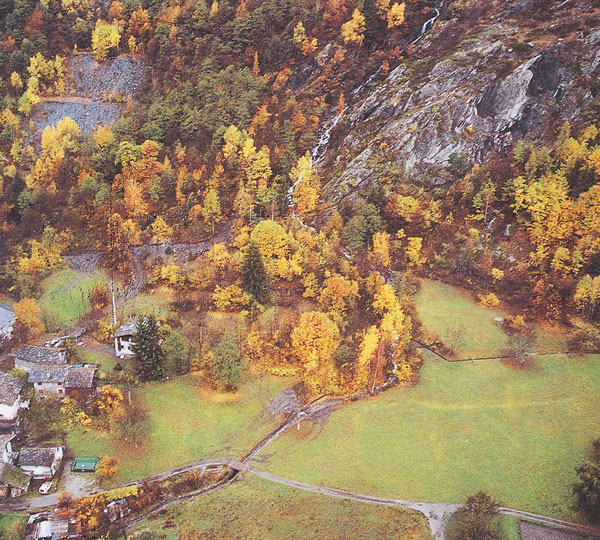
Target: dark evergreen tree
254	276
587	490
150	357
474	521
373	24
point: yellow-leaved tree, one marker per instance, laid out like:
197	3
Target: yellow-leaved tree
272	242
27	313
161	231
105	39
368	347
308	186
314	340
353	31
395	15
380	254
338	295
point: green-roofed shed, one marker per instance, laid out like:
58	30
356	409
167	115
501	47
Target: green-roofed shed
84	464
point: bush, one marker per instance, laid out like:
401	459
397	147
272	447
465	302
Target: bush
475	520
585	339
488	300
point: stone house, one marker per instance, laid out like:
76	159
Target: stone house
124	339
29	357
41	462
49	379
13	481
81	381
11	401
75	380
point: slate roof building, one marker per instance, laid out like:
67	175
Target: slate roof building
124	339
75	380
31	356
81	381
49	379
41	462
10	401
13	481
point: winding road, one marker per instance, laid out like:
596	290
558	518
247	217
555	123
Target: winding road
437	514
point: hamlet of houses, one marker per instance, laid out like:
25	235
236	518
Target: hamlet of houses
48	371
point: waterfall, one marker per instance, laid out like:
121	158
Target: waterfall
321	147
428	24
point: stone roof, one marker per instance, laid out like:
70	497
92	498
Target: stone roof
127	329
10	388
81	376
37	456
72	376
13	476
40	355
48	374
7	315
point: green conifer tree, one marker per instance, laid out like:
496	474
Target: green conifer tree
373	24
149	355
254	276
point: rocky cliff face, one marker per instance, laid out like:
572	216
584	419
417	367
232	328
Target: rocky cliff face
488	90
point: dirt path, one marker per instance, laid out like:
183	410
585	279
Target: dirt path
69	99
437	515
531	531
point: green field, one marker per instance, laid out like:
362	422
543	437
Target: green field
517	434
255	509
453	315
66	297
105	361
187	425
156	303
12	525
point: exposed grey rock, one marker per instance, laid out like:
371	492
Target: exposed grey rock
467	103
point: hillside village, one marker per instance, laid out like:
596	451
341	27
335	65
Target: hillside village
299	269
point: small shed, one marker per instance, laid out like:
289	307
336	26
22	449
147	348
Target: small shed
13	481
83	464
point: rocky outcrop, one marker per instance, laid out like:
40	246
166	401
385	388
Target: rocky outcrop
478	99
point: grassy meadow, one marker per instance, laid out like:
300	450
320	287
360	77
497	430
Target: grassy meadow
454	316
66	297
188	423
12	525
467	426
